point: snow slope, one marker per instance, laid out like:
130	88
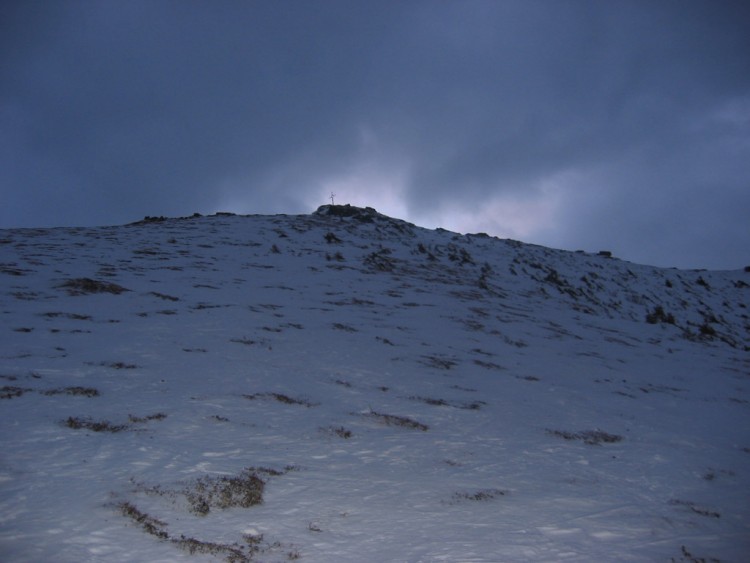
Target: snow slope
344	386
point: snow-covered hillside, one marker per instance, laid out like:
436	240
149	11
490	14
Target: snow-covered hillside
344	386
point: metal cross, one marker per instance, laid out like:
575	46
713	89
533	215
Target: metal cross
332	194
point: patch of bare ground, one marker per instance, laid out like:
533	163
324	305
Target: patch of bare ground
281	398
244	490
208	493
472	405
438	362
78	423
80	391
83	286
395	420
85	423
339	431
590	437
477	496
164	296
12	391
695	508
690	558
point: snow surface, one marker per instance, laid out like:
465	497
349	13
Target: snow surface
404	395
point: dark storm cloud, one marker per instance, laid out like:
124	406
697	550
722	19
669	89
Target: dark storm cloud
155	103
572	124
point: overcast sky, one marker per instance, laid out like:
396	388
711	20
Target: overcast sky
617	125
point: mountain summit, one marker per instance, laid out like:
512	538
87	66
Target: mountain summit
347	386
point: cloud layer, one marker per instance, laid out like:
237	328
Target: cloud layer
587	125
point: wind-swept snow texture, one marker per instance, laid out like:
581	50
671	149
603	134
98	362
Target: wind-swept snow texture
344	386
